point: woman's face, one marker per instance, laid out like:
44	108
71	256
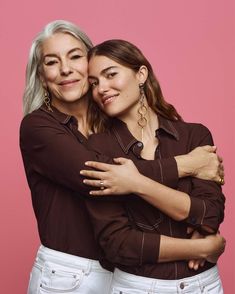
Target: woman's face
64	68
114	87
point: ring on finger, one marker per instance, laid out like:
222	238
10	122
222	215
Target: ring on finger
102	187
221	181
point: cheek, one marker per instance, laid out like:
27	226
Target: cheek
83	68
50	74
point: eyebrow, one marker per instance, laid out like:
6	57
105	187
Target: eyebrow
103	71
70	51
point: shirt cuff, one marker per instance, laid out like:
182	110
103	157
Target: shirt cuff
150	248
197	212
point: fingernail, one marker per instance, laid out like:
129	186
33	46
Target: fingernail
91	193
81	172
87	163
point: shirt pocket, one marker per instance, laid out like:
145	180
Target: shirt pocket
60	279
143	215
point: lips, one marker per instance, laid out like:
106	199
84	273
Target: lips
68	82
108	98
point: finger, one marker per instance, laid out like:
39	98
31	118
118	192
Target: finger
120	160
202	262
196	265
209	148
99	165
189	230
94	183
191	264
104	192
220	159
221	166
92	174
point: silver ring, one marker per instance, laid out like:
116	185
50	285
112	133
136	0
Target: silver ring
102	187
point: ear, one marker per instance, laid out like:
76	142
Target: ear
142	74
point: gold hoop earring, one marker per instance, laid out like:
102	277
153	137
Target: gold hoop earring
47	101
142	111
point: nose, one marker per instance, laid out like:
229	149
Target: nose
65	68
103	86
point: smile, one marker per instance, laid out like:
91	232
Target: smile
108	99
68	83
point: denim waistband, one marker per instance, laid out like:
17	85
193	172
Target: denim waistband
45	255
143	283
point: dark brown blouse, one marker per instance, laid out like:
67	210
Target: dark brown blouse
127	228
54	152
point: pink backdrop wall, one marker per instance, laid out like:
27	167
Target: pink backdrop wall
191	45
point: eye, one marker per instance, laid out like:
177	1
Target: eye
76	56
111	75
93	84
50	62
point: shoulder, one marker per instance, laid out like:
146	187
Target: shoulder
191	128
195	134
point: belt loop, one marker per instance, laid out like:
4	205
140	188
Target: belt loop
88	268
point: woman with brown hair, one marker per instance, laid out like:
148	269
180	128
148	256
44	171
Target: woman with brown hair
149	246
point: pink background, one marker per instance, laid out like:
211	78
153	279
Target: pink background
191	45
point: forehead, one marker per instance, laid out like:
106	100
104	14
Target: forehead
99	62
60	43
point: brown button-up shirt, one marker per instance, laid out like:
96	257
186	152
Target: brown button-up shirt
54	152
127	228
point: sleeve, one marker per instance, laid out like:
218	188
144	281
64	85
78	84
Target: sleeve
53	151
121	242
163	170
207	199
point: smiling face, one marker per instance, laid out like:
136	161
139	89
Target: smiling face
64	68
115	87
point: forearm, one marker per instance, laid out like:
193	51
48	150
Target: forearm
172	249
173	203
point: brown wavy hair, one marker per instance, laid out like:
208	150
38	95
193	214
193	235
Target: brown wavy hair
128	55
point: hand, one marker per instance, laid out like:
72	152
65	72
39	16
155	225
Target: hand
195	263
215	246
117	179
201	162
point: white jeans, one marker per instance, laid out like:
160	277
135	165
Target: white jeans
58	272
206	282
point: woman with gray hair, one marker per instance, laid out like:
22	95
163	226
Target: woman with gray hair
59	117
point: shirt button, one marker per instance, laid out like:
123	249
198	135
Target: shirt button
181	285
140	144
193	220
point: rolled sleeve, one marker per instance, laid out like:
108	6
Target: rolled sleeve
121	242
207	205
207	199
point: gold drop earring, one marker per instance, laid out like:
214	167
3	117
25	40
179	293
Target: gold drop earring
47	101
142	111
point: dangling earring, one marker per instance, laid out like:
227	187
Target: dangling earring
47	101
142	121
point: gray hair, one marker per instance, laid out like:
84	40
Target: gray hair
34	91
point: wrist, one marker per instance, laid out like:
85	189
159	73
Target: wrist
184	165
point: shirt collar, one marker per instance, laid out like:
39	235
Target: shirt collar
63	118
126	140
167	126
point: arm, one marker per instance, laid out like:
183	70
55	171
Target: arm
51	149
203	208
124	244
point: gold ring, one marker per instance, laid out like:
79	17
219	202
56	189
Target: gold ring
221	181
102	185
